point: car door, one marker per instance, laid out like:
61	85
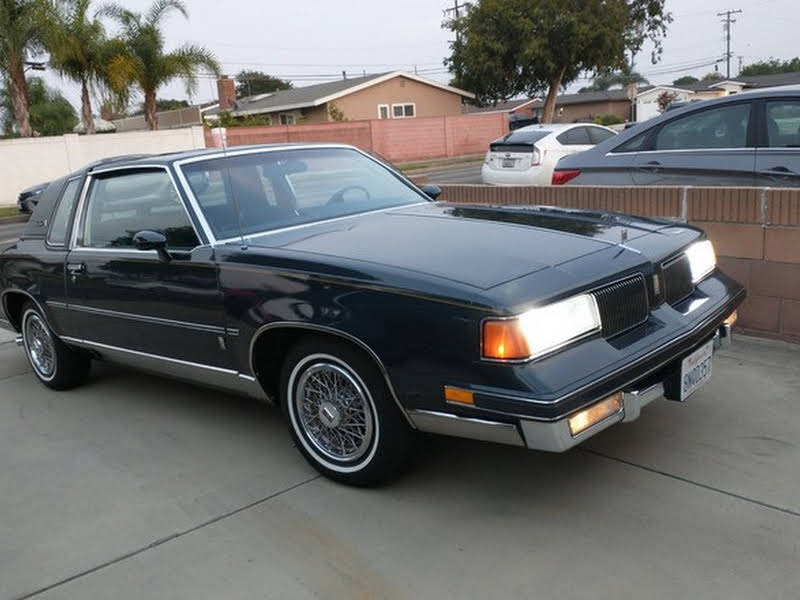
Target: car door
778	156
128	300
710	146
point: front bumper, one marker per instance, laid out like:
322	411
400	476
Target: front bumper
551	436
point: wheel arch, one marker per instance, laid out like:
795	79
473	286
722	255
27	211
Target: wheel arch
12	302
285	333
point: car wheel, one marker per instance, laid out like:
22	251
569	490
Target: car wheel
341	414
55	364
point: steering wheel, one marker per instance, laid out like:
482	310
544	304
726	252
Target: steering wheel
338	197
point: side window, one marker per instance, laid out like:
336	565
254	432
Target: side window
58	229
597	134
783	124
634	144
724	127
119	206
578	136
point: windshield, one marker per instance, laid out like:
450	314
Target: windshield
252	193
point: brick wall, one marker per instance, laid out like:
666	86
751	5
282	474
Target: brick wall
398	140
756	233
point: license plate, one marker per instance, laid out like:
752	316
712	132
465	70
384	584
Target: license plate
696	369
509	163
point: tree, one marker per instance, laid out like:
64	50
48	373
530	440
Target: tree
77	46
772	66
163	105
50	113
505	48
20	37
252	83
685	80
623	79
142	60
712	77
665	99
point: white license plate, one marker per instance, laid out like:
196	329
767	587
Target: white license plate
509	163
696	369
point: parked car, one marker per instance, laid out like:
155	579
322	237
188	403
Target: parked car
527	156
29	197
319	278
747	139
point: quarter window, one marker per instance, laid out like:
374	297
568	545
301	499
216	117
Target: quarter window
597	135
404	111
58	230
578	136
783	124
119	206
724	127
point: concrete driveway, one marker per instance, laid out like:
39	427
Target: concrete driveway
136	487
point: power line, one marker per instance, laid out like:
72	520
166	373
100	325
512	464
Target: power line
728	22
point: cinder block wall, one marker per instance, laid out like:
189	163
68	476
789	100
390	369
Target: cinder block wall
756	232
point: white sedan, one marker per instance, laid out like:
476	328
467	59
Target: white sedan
528	156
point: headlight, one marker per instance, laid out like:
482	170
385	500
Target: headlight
702	259
540	330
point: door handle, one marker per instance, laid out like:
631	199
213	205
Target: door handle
651	167
76	268
778	172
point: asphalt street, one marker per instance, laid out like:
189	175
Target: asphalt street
138	487
463	173
9	233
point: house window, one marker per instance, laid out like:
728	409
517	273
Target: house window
383	111
404	111
287	119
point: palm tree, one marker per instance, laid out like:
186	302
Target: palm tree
622	79
20	35
76	44
142	60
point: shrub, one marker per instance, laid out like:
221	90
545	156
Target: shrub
608	120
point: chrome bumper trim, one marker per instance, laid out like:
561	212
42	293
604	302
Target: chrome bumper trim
724	337
476	429
556	437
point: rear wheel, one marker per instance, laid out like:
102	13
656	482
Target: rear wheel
54	363
341	414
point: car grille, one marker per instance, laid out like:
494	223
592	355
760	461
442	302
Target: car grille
622	305
677	279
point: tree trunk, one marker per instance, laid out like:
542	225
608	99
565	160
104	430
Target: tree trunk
19	98
552	94
150	114
86	109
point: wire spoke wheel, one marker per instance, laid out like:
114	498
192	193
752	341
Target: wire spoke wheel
334	412
39	345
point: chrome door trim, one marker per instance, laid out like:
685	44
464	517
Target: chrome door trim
149	319
218	377
336	332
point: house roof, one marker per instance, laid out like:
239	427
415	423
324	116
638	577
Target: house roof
321	93
502	107
772	80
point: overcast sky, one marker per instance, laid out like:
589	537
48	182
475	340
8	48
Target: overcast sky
315	40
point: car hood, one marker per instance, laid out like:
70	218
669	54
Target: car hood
478	246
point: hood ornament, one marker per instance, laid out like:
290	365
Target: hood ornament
624	235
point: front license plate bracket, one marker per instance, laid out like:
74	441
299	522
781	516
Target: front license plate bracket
689	374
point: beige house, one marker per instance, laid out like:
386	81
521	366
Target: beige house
396	95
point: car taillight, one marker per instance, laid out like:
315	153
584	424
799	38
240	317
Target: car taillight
562	176
537	157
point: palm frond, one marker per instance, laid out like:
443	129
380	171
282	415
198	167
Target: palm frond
160	8
186	62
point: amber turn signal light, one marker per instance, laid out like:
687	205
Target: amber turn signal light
732	318
503	340
459	396
581	421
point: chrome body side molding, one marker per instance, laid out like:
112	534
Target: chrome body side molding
216	377
476	429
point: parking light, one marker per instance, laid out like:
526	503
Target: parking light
581	421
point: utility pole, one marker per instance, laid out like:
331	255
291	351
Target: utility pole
728	22
457	6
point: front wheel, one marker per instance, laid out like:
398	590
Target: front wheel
54	363
341	414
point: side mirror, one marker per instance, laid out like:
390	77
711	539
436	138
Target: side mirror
432	191
152	240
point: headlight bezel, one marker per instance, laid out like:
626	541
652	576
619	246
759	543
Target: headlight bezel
523	329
